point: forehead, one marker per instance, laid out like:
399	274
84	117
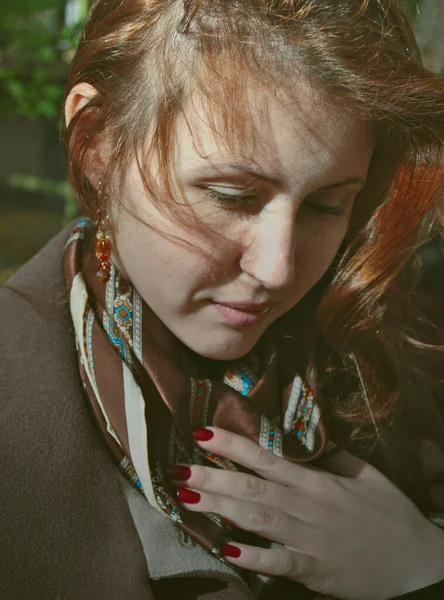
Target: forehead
298	138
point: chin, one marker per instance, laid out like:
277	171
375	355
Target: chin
225	351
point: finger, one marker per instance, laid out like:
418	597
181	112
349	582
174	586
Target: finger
270	523
273	468
277	562
240	486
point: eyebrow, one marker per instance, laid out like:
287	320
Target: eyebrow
256	172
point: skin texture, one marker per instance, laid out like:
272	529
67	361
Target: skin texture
274	248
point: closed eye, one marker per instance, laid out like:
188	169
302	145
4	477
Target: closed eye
317	204
232	201
333	206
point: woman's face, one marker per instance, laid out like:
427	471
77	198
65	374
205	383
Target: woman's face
274	224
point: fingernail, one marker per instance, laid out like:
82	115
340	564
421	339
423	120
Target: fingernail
202	434
231	551
178	473
188	496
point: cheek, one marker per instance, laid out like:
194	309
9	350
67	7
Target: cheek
316	251
161	268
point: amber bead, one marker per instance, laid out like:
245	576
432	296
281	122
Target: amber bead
103	266
103	277
103	246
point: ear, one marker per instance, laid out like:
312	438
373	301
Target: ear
78	97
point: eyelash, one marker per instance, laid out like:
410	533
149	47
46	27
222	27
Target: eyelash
234	202
231	201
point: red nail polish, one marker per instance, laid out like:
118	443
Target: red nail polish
231	551
202	434
188	496
178	473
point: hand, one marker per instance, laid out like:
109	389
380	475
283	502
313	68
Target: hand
349	537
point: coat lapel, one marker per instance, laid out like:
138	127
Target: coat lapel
172	554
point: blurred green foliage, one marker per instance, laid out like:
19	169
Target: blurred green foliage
23	7
36	45
35	48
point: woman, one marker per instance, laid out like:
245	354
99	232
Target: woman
245	314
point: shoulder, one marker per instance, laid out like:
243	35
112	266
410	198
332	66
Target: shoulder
40	388
43	415
60	490
37	350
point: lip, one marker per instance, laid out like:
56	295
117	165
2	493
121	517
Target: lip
249	307
242	314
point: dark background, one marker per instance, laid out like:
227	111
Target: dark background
37	41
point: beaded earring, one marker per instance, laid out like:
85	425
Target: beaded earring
103	246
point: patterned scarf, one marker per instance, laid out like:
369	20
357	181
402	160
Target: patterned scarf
147	404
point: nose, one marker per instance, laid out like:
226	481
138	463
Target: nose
269	256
